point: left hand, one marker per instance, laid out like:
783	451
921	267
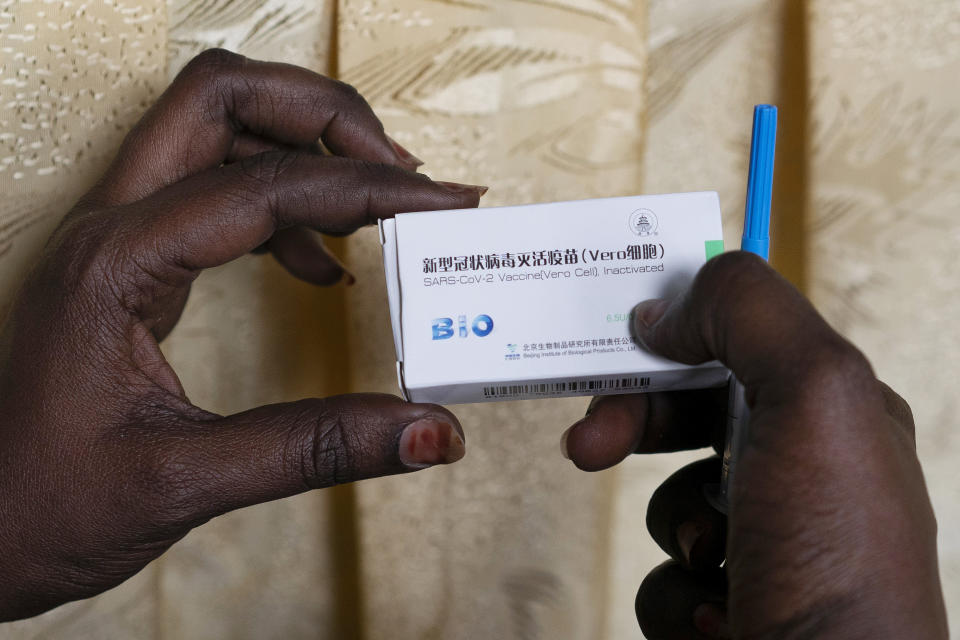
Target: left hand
104	461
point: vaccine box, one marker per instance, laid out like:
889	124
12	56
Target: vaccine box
534	301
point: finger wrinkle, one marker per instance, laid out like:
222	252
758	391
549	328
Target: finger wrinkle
332	459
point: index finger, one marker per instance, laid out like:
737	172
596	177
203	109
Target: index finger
221	97
221	214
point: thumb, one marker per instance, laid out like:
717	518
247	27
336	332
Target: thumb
280	450
739	311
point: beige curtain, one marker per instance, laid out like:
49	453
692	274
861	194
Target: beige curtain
542	100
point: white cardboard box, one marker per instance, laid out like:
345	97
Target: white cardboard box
533	301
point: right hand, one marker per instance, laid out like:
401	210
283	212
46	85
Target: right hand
831	533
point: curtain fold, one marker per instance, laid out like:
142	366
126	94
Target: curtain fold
541	101
73	79
708	65
884	225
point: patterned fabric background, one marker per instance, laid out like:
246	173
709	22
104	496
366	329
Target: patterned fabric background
884	229
541	100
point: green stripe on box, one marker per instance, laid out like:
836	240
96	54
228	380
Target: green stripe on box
713	248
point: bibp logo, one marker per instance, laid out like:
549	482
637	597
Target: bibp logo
443	328
643	222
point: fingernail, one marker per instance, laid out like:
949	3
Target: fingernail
457	187
346	276
688	534
647	313
563	444
430	441
709	619
404	155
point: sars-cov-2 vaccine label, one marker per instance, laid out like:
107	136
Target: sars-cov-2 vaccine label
534	301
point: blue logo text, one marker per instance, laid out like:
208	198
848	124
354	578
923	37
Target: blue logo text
443	328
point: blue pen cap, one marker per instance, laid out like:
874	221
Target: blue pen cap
756	222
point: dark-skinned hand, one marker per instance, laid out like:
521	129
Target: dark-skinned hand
830	532
104	462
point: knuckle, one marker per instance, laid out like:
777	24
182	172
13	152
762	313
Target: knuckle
840	359
836	369
899	409
327	452
349	95
895	402
205	81
73	239
717	292
733	266
212	62
350	108
89	254
122	263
